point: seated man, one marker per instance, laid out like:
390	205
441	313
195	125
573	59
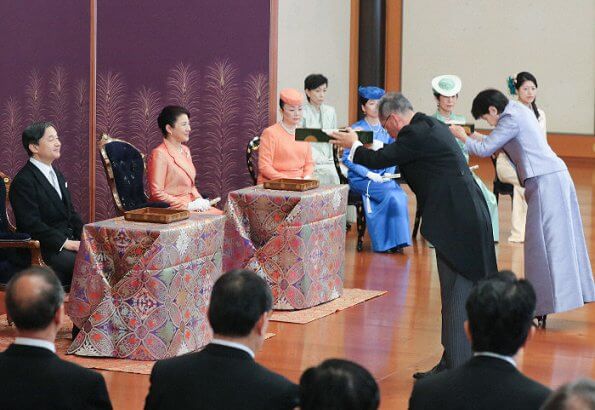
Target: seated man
280	155
500	310
224	375
338	384
41	202
32	376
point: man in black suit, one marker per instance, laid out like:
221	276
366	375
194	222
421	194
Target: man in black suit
32	376
501	311
455	216
41	202
224	375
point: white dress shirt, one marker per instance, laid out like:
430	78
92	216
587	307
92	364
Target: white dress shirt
46	170
234	345
27	341
508	359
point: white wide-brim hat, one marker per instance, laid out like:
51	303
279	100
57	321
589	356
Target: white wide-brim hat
447	85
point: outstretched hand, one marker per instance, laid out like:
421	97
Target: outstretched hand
344	138
459	132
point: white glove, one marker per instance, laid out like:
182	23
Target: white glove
199	204
375	177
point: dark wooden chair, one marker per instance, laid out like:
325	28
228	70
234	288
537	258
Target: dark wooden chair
125	171
252	157
354	199
11	241
501	188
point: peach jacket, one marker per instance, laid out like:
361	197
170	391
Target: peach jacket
281	156
171	175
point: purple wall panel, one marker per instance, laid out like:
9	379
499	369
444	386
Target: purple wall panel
210	56
44	76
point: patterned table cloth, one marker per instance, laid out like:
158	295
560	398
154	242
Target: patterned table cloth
295	240
141	290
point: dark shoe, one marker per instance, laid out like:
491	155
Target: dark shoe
396	249
440	367
541	321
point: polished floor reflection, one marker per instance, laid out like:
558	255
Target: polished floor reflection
399	333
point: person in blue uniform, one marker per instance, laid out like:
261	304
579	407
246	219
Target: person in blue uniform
385	202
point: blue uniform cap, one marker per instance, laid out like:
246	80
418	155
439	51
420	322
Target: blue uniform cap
371	93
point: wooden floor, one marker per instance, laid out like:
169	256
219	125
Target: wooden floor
399	333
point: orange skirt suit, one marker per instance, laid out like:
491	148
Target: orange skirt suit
171	175
281	156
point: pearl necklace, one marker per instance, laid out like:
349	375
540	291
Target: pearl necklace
375	130
290	131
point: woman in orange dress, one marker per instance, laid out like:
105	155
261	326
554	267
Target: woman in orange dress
280	155
171	173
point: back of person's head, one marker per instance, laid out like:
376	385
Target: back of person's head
394	103
313	81
500	311
577	395
238	300
486	99
33	296
169	115
338	384
33	133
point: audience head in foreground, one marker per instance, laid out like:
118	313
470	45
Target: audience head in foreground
500	313
338	384
225	374
241	304
35	303
576	395
30	369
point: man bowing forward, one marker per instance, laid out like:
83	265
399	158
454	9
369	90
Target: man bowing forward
455	216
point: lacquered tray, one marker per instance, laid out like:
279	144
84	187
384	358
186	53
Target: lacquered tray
156	215
289	184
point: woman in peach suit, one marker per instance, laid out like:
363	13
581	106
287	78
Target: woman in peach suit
171	173
280	155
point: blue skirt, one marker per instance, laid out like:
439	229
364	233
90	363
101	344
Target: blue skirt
387	217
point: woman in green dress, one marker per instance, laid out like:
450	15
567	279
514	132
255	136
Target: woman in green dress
446	90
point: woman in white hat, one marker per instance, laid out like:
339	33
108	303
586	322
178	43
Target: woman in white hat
446	90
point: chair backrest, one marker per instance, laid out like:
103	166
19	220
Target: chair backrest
252	156
5	224
336	154
125	170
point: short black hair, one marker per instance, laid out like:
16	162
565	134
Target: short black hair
487	98
33	133
313	81
34	313
281	103
363	101
338	384
500	311
238	300
169	115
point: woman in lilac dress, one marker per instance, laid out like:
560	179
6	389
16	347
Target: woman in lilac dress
556	258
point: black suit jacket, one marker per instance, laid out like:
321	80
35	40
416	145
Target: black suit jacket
36	378
218	377
455	216
483	383
39	211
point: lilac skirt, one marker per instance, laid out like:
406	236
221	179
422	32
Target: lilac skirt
556	258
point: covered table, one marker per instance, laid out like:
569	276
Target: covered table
141	290
295	240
